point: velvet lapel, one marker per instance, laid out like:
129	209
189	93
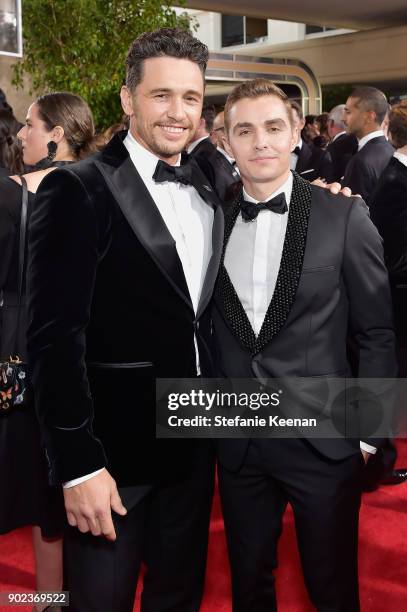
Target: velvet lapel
138	207
291	263
225	293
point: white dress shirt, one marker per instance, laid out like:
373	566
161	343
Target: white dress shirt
294	156
368	137
189	220
402	157
254	276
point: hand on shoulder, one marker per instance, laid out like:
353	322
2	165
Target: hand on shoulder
335	188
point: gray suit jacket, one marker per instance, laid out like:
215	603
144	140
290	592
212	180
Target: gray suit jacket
332	281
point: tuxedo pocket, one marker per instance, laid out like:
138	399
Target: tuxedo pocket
136	365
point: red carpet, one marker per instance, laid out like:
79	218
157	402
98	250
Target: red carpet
383	558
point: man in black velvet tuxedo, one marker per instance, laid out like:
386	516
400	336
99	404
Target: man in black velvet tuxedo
124	252
297	266
307	160
219	171
342	146
365	111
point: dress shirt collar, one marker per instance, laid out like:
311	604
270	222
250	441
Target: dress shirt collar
337	135
402	157
144	160
194	144
368	137
285	188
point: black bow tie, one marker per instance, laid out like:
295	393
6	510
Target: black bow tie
297	151
250	210
165	172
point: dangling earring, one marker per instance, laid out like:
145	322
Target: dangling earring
52	150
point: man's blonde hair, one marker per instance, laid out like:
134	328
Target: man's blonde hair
256	89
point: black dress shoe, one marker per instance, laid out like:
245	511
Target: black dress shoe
395	477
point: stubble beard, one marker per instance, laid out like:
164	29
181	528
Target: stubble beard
158	145
164	149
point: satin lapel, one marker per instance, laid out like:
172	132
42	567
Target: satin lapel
291	263
213	267
225	293
138	207
201	184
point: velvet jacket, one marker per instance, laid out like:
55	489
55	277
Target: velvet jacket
332	280
109	310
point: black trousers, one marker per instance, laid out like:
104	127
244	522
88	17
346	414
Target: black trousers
167	529
325	498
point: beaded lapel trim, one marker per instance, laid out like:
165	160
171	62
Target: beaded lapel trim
288	276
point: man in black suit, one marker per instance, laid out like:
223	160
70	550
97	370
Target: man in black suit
296	268
388	211
308	161
342	145
365	111
124	252
219	171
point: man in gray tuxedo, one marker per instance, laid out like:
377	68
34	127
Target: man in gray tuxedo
297	266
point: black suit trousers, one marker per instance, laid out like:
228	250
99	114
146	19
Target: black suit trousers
167	529
325	498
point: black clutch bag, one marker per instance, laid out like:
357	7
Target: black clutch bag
14	386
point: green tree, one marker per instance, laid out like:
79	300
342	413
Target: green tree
80	46
332	95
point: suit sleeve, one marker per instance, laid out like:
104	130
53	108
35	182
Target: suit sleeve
63	256
370	306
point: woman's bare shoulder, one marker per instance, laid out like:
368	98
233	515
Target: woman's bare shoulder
33	178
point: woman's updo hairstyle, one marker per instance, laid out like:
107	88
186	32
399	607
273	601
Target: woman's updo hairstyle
72	113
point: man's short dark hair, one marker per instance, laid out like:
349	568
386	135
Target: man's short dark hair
208	114
255	88
371	99
171	42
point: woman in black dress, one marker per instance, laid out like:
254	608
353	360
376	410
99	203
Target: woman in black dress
59	129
